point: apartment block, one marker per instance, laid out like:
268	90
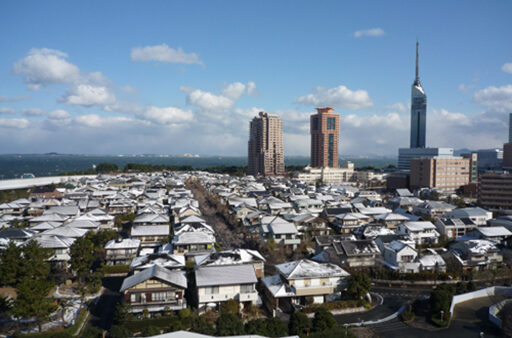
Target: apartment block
495	190
266	151
325	130
473	166
445	174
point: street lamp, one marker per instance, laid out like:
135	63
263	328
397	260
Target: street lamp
442	313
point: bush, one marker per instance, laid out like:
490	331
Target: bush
93	332
323	320
231	306
150	331
118	331
408	314
229	325
108	269
298	324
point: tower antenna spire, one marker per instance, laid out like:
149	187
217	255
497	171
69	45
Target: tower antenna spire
417	79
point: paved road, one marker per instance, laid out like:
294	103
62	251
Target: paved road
393	299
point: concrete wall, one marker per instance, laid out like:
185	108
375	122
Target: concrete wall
24	183
490	291
495	309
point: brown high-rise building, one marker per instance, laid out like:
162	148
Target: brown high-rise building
325	130
266	151
446	174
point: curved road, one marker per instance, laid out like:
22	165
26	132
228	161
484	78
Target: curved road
393	299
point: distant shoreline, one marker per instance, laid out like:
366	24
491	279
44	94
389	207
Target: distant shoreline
42	165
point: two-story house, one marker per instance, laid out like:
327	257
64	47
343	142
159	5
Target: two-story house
121	251
234	257
155	289
421	232
217	284
151	235
303	281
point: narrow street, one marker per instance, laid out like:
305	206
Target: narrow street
227	238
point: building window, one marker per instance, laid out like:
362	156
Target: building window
134	298
246	288
212	290
331	123
331	150
307	281
315	123
158	296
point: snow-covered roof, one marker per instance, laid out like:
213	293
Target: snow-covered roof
150	230
306	268
195	237
431	260
277	287
230	257
65	231
419	225
174	277
125	243
496	231
162	259
225	275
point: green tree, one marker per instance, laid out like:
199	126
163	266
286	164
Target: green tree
203	325
32	301
5	305
100	238
121	313
229	325
34	263
82	256
93	332
358	286
298	324
10	267
119	331
441	299
276	327
106	168
323	320
150	330
231	306
257	326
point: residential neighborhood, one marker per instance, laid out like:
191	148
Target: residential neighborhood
265	247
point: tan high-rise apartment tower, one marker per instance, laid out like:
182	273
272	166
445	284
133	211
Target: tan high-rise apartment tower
266	151
325	130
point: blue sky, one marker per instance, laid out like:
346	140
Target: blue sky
127	77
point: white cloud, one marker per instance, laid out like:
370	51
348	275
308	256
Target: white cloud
14	123
44	67
164	53
234	91
206	100
32	112
96	121
496	98
444	116
339	97
129	90
507	67
88	95
168	115
7	110
251	88
397	107
13	98
465	88
59	114
369	32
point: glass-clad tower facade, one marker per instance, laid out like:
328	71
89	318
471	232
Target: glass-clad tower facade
418	110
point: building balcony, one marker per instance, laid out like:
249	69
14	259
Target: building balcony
313	290
222	297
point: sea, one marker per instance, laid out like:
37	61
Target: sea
16	165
